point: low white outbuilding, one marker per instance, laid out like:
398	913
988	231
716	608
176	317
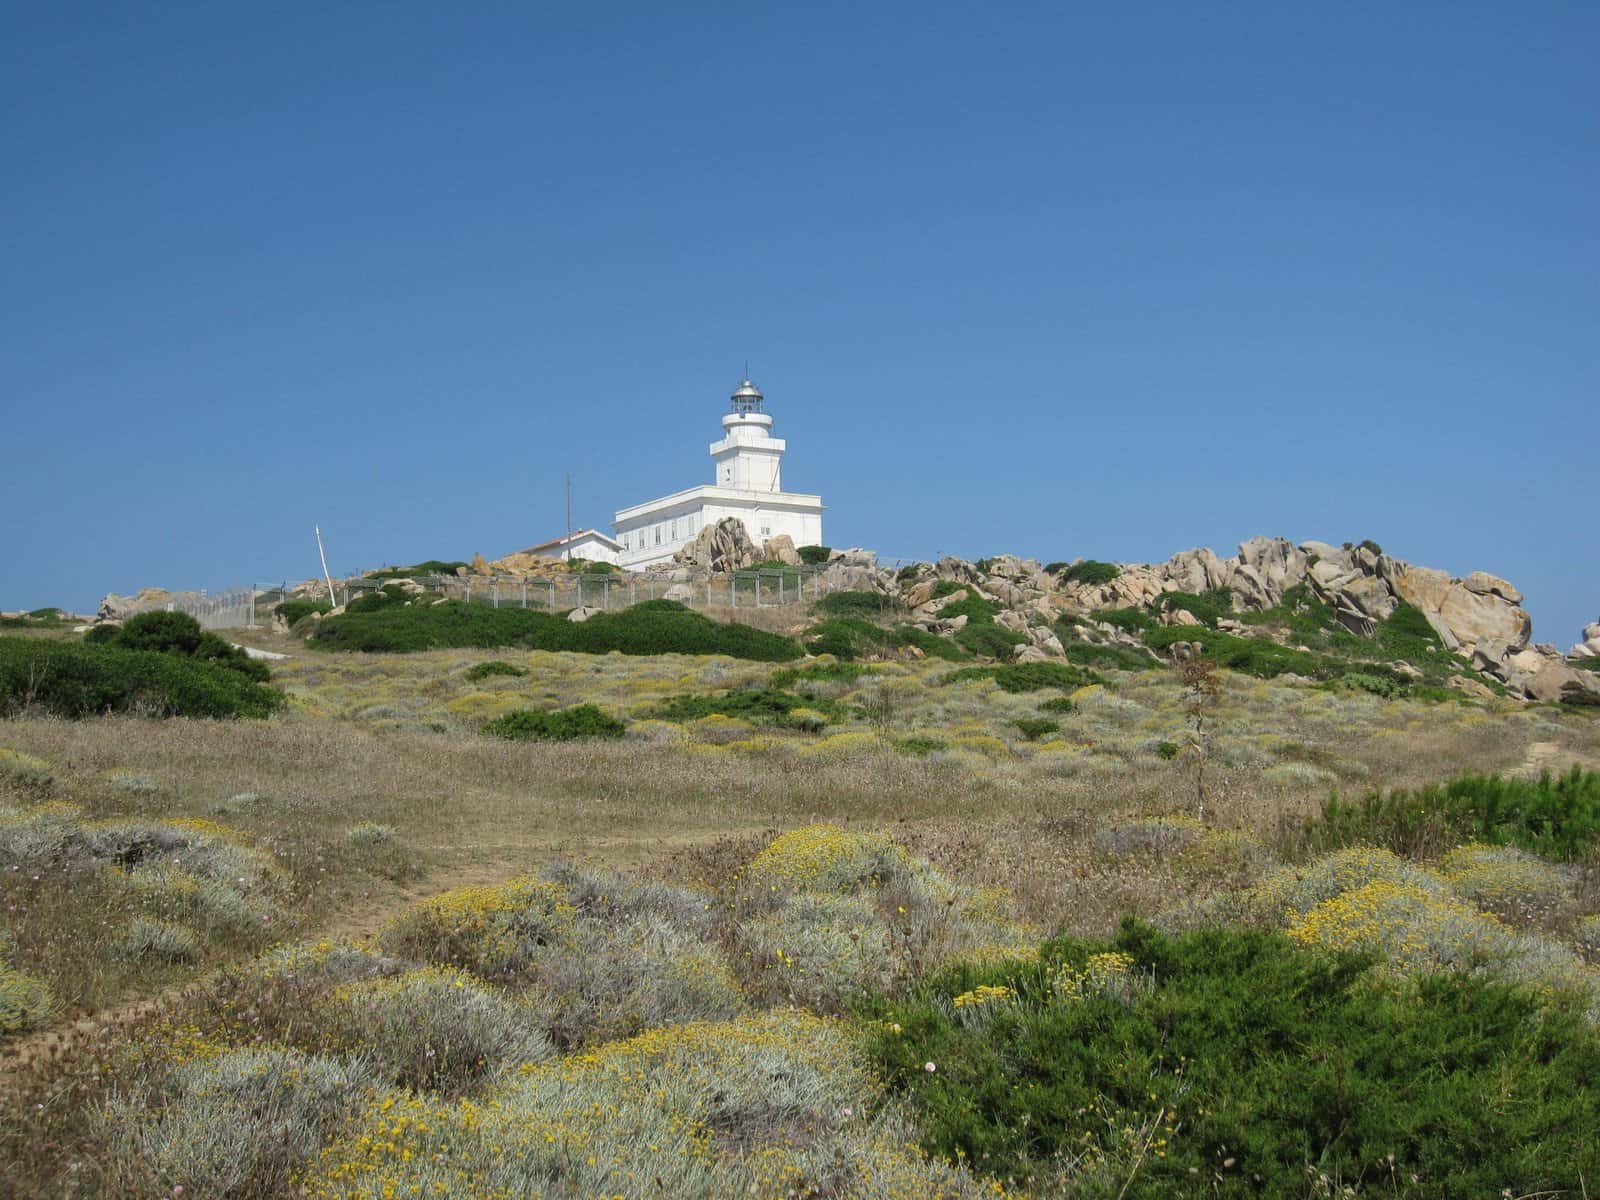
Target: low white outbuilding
588	544
748	486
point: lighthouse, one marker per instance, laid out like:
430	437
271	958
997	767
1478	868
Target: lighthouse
747	484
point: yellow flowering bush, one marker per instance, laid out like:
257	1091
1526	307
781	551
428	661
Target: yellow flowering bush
1107	974
492	931
826	858
1415	929
984	995
1505	879
1291	891
770	1105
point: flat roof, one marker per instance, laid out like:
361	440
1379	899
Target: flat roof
710	491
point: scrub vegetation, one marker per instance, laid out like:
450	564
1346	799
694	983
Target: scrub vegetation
728	924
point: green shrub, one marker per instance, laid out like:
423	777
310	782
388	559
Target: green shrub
850	638
765	706
814	556
1129	620
920	747
486	670
168	632
972	606
931	644
1251	656
1027	677
1058	704
561	725
1239	1059
179	634
1377	685
1089	571
73	680
908	572
1168	750
855	604
989	640
295	611
1556	816
654	627
945	587
1109	655
432	566
1208	607
1034	728
835	672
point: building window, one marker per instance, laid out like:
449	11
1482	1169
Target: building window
674	530
766	531
658	535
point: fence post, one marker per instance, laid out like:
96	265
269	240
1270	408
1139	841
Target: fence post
780	589
550	594
524	593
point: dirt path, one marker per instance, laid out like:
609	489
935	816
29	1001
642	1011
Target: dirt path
1549	756
487	866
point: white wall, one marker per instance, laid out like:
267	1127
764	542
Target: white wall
649	536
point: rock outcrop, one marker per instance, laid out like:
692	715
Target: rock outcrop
1590	646
119	608
1361	584
725	546
781	549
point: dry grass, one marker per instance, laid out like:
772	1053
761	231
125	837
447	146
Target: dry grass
389	742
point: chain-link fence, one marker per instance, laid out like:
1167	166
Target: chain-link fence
767	587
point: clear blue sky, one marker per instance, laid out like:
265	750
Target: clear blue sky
1060	280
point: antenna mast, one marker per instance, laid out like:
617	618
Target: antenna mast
328	579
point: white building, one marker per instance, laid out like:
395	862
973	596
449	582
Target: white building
748	486
588	544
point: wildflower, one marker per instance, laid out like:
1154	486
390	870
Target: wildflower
929	1068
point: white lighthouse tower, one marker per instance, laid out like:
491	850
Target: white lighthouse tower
748	485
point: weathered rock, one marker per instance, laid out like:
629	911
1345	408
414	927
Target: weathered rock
781	549
1590	646
1553	679
1045	638
725	546
582	614
1485	584
1028	652
1011	620
1181	616
480	565
120	608
1404	668
957	569
1475	688
683	593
